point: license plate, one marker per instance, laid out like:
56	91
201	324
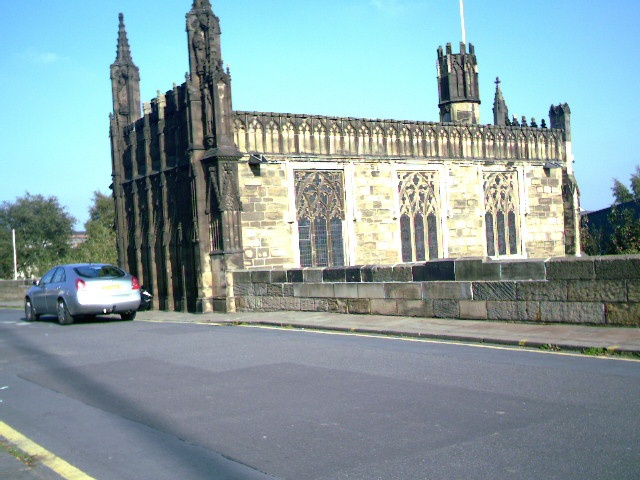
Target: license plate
111	287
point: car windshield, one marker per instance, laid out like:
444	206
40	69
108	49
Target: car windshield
99	271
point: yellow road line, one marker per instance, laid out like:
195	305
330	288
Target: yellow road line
45	457
471	344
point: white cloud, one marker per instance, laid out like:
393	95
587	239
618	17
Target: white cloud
389	6
41	58
48	57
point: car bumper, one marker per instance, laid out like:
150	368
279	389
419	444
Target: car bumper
92	305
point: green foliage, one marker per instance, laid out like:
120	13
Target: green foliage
591	238
621	233
626	232
100	246
620	192
43	231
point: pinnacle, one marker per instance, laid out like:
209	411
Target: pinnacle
123	53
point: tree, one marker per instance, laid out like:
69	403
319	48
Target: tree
620	233
100	246
622	194
625	238
43	232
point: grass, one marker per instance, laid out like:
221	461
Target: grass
28	460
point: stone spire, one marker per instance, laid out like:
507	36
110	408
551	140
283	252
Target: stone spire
125	80
201	4
500	110
123	54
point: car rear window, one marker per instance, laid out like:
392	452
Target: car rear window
99	271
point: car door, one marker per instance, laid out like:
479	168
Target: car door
52	290
39	293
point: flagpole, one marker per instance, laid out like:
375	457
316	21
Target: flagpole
464	30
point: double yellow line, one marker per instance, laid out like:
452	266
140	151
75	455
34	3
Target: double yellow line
43	456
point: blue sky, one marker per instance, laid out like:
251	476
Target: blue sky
359	58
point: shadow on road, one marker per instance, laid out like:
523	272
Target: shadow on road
195	462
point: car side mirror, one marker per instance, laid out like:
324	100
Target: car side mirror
36	283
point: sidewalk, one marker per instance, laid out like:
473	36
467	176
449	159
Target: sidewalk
563	337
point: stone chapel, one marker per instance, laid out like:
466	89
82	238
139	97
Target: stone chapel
201	190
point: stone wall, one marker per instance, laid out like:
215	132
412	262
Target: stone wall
372	225
13	291
591	290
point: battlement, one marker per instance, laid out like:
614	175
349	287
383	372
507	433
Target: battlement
290	134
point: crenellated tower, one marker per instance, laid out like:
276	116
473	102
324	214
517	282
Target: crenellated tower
458	89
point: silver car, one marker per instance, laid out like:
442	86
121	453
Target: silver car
83	289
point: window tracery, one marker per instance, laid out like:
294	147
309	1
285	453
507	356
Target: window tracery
320	213
501	207
419	214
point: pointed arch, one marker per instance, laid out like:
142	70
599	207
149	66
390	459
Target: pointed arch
500	147
429	146
392	141
478	142
552	148
501	213
288	138
320	139
256	137
421	142
522	145
364	141
466	143
304	137
443	143
404	145
456	146
335	140
272	138
512	148
542	147
377	141
420	234
490	141
240	134
350	140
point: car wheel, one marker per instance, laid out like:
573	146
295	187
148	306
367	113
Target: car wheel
64	317
128	315
29	313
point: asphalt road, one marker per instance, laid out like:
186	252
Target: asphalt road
141	400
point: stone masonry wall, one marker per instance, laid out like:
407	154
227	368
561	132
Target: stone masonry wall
372	228
592	290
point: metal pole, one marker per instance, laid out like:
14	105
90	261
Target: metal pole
464	30
15	256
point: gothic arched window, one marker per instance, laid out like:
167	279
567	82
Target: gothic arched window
419	213
501	218
320	213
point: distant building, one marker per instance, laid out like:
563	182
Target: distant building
78	238
201	189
